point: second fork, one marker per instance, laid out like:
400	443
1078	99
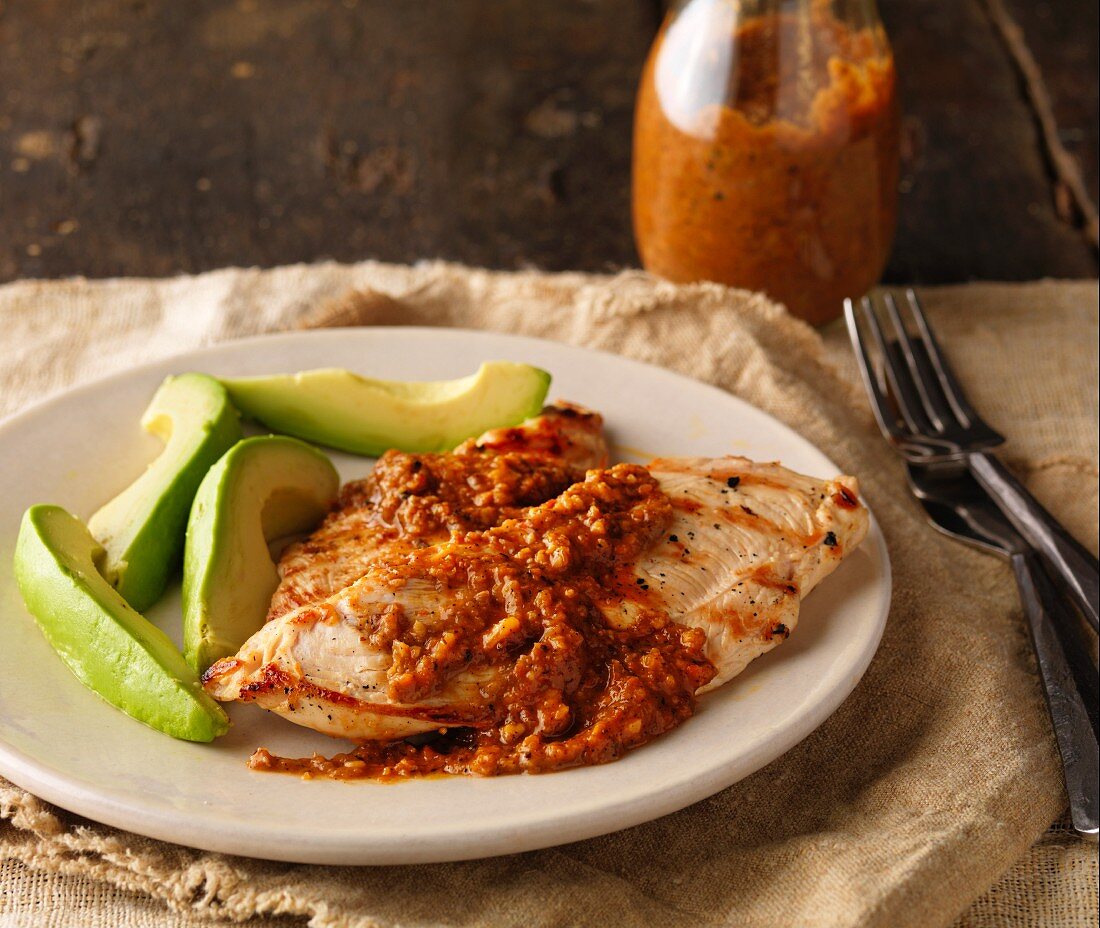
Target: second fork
922	410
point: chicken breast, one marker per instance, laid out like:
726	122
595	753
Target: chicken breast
612	604
747	543
563	432
413	500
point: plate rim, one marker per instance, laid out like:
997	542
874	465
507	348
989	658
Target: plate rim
56	787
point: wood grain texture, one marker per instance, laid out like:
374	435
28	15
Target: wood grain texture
977	197
1065	106
145	137
1063	38
154	137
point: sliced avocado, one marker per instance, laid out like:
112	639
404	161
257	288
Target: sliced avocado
142	528
112	649
343	410
262	489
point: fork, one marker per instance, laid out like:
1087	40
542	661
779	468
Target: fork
930	420
957	506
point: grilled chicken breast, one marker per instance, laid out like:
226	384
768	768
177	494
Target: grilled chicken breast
442	627
747	543
413	500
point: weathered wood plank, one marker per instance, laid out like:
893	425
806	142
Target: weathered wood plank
265	132
1065	46
977	201
150	137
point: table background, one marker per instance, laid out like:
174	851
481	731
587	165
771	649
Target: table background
147	137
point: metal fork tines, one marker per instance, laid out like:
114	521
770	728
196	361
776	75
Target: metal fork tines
932	420
923	412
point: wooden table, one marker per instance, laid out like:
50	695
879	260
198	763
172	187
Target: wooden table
146	137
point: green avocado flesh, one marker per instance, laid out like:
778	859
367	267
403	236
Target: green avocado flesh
142	528
262	490
112	649
343	410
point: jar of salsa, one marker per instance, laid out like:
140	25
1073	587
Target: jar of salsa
766	149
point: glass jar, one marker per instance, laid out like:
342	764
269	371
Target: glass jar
766	149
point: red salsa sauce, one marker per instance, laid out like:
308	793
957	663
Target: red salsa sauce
530	608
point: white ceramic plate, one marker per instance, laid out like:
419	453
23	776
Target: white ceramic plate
60	741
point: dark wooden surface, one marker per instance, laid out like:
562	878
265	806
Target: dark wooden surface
150	137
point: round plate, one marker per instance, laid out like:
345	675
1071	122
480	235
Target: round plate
58	740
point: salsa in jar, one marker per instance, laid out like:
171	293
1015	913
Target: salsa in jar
766	150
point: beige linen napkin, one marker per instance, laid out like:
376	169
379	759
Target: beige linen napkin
923	788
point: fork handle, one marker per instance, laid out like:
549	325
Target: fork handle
1065	557
1072	728
1075	645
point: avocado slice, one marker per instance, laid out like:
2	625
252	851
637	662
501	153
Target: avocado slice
263	489
340	409
142	528
111	648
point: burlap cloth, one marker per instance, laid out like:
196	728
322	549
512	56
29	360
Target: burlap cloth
933	779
